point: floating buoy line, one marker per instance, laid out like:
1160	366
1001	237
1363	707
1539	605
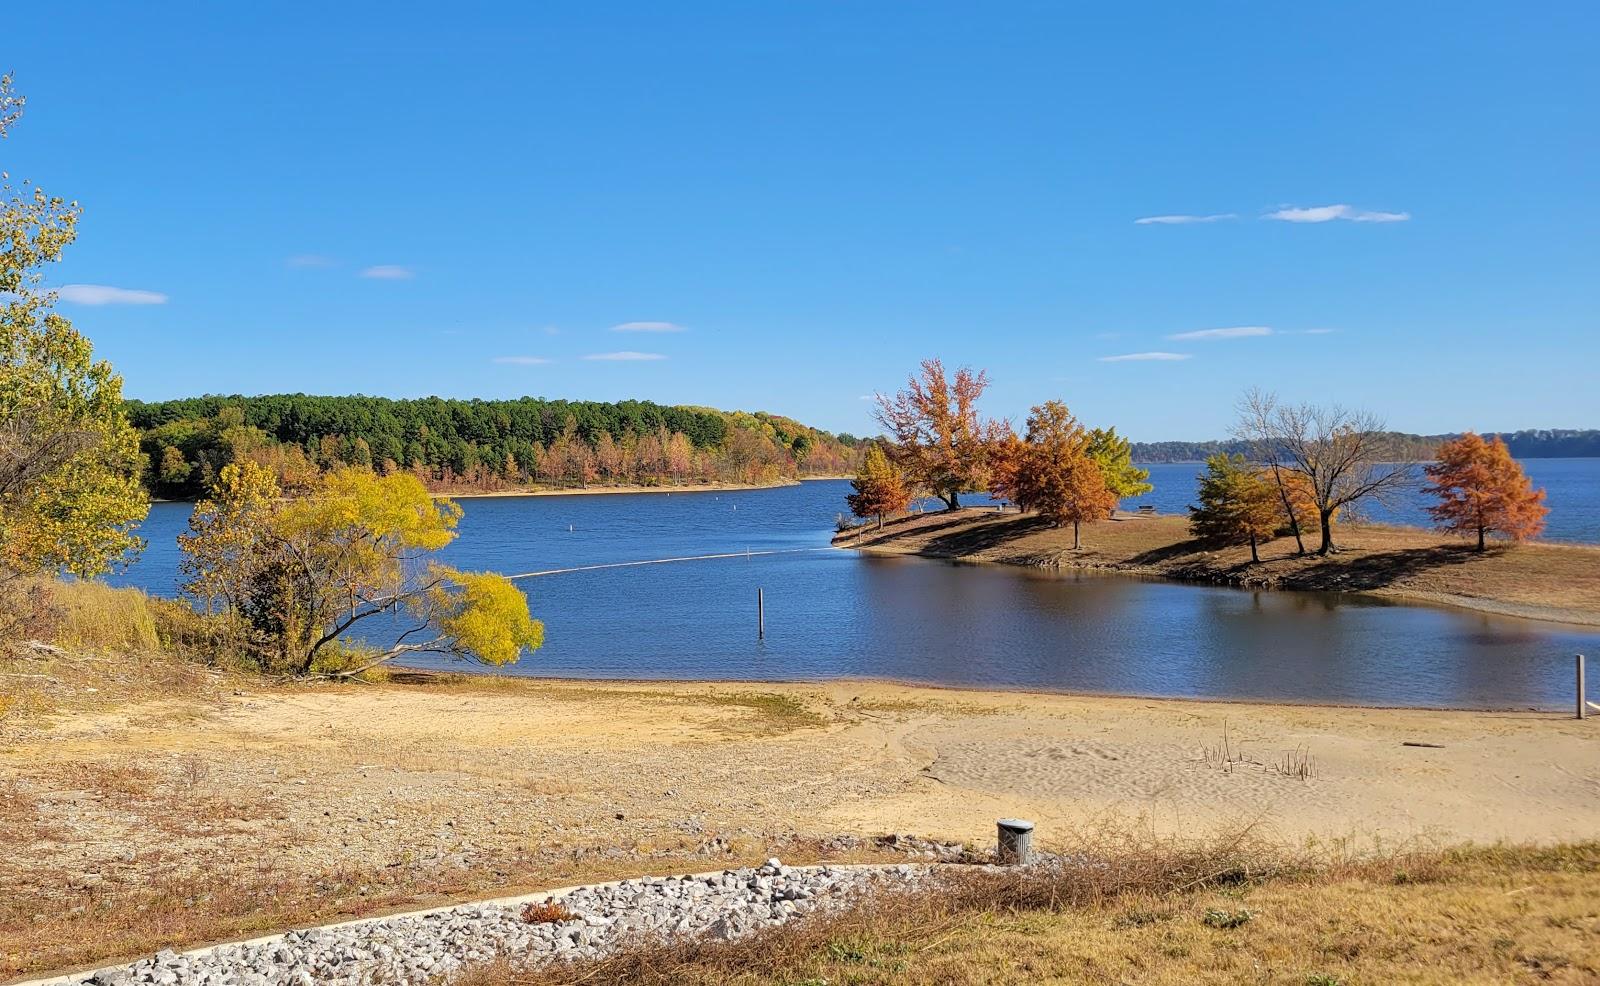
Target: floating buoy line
664	561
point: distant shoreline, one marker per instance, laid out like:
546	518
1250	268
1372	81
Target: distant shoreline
598	490
602	490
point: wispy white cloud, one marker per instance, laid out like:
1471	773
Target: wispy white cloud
551	330
310	260
1328	213
626	356
1142	357
1318	332
647	327
388	272
1183	220
104	294
522	360
1233	332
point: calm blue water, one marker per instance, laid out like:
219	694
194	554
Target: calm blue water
833	613
1572	489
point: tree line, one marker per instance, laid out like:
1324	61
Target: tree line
475	444
1542	443
1300	468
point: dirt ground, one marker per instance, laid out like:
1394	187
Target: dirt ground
1537	580
180	820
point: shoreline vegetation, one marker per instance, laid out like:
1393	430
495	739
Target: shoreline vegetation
1544	581
469	447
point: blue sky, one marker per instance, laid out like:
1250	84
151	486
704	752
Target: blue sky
790	204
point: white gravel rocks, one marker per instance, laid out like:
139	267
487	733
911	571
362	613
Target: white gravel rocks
430	947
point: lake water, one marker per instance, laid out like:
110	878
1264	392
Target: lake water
833	613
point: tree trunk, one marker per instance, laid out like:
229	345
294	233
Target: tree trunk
880	521
1253	556
1325	518
1075	543
1480	537
952	500
1288	509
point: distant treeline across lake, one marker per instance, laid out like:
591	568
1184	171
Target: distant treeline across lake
1540	443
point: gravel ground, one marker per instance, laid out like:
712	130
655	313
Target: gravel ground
430	947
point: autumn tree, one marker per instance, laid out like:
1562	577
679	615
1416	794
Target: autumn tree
301	573
936	437
1483	490
1344	456
879	488
1114	455
1239	504
1051	471
69	461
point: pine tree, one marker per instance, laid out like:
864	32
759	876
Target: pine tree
1482	490
1238	504
879	488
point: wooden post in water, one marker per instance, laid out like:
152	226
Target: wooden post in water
761	619
1583	709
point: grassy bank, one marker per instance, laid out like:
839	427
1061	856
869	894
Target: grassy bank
1174	914
1538	581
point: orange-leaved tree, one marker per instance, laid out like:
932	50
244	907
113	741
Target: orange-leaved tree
936	437
879	487
1482	490
1052	472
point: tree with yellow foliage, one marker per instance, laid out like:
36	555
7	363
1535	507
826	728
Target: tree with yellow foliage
301	573
69	461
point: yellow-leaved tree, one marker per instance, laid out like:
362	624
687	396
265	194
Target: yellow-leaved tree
299	574
69	461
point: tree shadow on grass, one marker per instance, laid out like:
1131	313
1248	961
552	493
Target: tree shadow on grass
973	538
1173	551
1354	572
868	534
1379	569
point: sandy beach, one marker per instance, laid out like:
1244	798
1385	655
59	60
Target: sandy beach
378	796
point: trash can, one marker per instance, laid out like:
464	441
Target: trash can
1015	842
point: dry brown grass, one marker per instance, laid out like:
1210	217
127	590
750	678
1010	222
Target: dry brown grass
1225	913
1548	581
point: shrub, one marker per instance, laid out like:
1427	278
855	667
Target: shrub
1226	919
547	912
215	639
92	616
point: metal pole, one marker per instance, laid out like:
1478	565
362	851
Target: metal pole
1583	710
761	620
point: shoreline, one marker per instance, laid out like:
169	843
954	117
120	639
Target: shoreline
610	490
1471	604
602	490
995	691
1394	564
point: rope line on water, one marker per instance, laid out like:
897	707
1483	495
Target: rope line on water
664	561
